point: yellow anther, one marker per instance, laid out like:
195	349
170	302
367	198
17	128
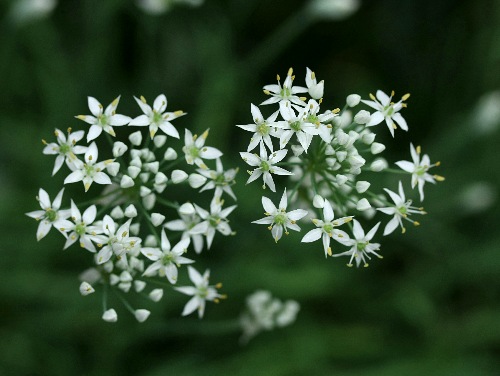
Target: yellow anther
44	142
320	100
218	285
69	130
392	93
366	265
437	164
406	96
419	149
267	92
394	126
336	111
416	223
56	133
403	230
81	117
90	157
143	100
270	228
124	234
439	177
290	71
372	97
302	98
404	105
278	77
313	76
329	251
178	113
349	265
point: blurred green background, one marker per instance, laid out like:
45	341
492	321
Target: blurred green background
431	306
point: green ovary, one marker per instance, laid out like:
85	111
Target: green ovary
167	259
80	229
402	210
214	221
51	215
64	149
262	129
296	126
328	228
194	152
361	246
420	171
157	118
280	219
264	166
102	120
388	110
285	92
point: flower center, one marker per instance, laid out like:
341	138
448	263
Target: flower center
421	170
167	259
285	92
361	246
89	170
214	220
403	210
64	149
194	151
264	165
51	215
262	128
296	126
280	219
157	118
312	119
102	120
389	110
328	228
80	229
202	292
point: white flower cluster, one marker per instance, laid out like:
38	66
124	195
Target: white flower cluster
332	152
126	225
263	312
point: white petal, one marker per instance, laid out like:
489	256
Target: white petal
160	103
94	106
391	226
312	235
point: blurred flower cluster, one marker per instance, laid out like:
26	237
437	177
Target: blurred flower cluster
129	225
332	156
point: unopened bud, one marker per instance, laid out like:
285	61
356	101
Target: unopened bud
353	100
157	219
119	148
135	138
196	180
178	176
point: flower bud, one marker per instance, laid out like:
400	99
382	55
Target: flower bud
144	191
133	171
297	150
316	90
157	219
161	178
156	295
341	155
125	286
160	140
362	186
159	188
318	202
144	176
329	150
86	289
150	241
113	168
113	279
353	100
152	167
139	286
149	201
119	148
134	230
196	180
378	165
377	148
362	117
126	182
178	176
135	138
187	209
368	138
141	314
110	315
131	211
363	205
170	155
136	161
341	179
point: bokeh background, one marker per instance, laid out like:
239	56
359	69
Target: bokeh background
431	306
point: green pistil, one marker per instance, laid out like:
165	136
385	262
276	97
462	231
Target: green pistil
157	117
402	210
264	166
361	246
312	118
194	152
421	171
389	110
89	170
167	259
220	179
285	92
296	126
262	129
328	228
280	219
102	120
214	221
202	292
64	149
51	215
80	229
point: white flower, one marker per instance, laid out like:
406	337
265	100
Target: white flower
214	221
90	171
387	110
86	289
353	100
141	315
219	179
285	93
313	116
299	124
315	89
278	219
360	245
110	315
102	119
166	260
262	129
265	166
401	210
186	225
82	228
201	292
116	241
156	117
418	170
326	229
65	148
195	151
50	215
